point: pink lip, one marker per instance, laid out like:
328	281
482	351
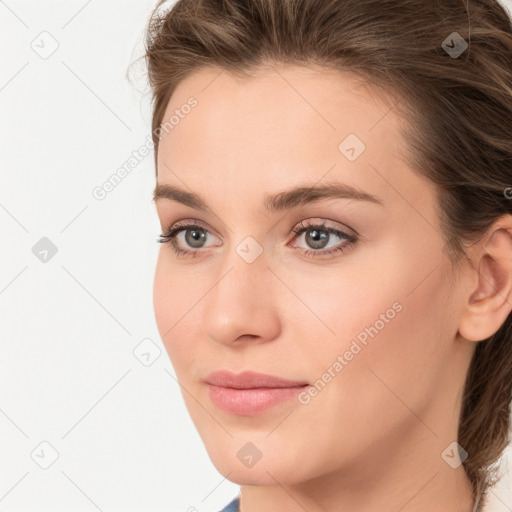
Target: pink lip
249	392
250	380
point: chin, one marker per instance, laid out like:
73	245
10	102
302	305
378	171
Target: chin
260	474
233	461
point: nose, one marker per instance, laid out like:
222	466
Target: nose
241	306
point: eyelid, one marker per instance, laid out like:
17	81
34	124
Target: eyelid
312	222
350	233
188	223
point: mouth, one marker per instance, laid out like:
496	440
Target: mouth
250	380
250	393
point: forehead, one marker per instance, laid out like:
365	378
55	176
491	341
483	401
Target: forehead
282	99
282	124
290	103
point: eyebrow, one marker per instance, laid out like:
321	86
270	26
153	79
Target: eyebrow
286	200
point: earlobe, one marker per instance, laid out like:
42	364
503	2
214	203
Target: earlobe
489	304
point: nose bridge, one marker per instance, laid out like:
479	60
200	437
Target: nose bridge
241	299
243	277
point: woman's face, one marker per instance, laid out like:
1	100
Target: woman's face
366	315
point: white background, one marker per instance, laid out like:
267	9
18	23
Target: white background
69	376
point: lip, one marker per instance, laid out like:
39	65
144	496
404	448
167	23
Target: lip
250	393
250	380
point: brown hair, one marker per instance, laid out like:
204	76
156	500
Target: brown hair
457	108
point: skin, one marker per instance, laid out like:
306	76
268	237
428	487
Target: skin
372	439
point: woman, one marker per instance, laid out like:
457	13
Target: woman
334	287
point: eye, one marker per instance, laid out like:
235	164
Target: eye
195	236
317	236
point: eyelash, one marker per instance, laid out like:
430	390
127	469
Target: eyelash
170	235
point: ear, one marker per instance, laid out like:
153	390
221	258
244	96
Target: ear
488	301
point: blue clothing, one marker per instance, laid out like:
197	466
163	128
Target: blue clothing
233	506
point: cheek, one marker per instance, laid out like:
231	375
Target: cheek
173	305
391	327
390	301
164	296
392	292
